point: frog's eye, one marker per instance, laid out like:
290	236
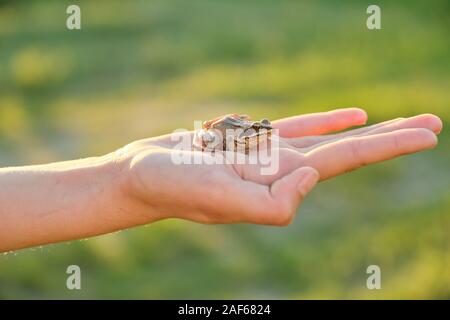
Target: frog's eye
265	121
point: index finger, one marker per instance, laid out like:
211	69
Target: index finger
350	154
320	123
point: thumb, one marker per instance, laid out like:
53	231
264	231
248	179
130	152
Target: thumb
289	191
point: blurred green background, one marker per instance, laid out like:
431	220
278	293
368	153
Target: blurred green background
143	68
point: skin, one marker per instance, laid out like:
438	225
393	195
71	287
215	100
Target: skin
139	184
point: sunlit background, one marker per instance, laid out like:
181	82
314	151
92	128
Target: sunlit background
143	68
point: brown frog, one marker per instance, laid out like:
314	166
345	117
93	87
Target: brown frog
232	132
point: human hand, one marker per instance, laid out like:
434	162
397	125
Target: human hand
230	193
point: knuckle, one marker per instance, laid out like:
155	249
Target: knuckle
354	150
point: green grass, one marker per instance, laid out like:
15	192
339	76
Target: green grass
141	68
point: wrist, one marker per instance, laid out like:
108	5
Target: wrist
129	202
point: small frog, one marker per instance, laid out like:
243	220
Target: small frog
232	132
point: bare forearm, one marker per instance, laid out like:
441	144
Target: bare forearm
61	201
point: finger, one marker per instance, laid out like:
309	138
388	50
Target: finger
309	141
351	153
320	123
425	121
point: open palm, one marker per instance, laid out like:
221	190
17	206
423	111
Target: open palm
232	193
